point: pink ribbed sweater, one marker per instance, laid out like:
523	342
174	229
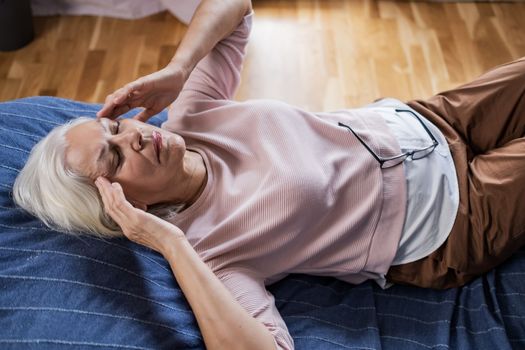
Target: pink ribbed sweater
288	191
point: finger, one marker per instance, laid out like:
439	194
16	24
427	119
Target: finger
113	202
107	110
105	114
122	96
108	195
118	192
116	110
127	93
102	188
122	208
112	102
144	115
113	112
121	110
121	205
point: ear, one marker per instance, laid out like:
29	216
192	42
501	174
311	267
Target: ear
138	204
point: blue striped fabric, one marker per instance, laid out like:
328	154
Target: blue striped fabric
59	291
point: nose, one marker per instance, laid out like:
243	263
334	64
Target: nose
129	137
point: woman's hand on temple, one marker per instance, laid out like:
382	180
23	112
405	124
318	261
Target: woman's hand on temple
154	92
136	224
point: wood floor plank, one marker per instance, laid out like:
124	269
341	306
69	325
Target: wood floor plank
5	65
90	74
10	88
490	45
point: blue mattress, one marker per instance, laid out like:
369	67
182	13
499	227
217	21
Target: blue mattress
61	291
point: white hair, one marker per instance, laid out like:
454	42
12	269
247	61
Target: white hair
63	200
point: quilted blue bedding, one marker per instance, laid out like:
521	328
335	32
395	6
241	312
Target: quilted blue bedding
60	291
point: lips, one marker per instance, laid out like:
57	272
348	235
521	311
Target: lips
157	143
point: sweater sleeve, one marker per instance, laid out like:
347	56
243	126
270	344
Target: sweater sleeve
251	293
217	75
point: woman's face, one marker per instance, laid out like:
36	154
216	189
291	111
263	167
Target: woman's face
147	161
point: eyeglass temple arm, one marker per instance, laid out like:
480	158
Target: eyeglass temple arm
363	143
419	120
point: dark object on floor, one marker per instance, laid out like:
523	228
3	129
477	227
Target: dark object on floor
16	24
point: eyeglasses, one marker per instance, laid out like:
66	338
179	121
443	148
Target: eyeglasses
393	161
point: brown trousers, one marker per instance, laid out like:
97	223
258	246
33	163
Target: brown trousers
484	124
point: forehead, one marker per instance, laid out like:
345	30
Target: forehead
84	142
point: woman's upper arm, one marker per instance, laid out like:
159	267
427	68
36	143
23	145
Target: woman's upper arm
218	74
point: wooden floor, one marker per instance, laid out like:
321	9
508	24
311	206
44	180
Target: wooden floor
320	55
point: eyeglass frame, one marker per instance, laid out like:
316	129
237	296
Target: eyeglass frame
406	155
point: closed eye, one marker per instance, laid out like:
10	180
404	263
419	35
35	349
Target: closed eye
118	158
118	155
117	127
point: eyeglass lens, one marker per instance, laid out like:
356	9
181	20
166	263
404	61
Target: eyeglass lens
393	162
422	153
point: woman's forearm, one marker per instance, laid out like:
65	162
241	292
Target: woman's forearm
223	322
213	20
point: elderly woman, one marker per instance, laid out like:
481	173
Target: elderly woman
428	193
